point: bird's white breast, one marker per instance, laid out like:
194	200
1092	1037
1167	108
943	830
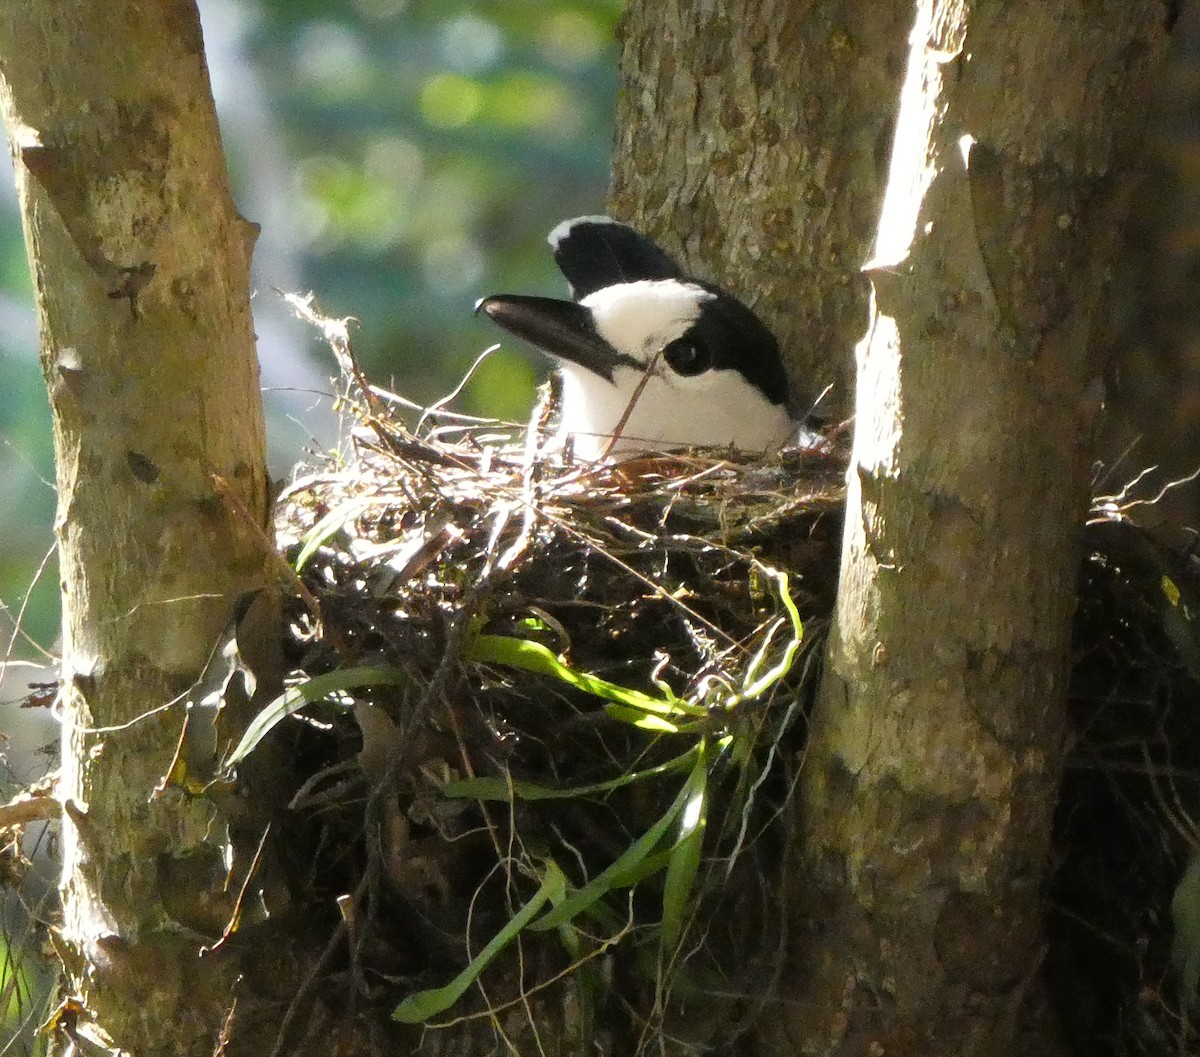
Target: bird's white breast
719	408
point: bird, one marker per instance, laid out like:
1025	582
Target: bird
650	358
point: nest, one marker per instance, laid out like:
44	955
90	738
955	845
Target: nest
563	711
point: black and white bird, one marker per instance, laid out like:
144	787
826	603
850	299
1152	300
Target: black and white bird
648	355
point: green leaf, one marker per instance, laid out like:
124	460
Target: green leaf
534	657
508	790
755	687
329	524
318	688
622	872
639	870
685	856
425	1004
636	718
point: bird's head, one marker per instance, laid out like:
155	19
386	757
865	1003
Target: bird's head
647	354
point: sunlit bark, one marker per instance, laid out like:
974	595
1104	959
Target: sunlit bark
140	264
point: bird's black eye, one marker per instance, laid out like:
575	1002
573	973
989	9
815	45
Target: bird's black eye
687	357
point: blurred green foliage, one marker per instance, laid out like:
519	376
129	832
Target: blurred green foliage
408	159
432	146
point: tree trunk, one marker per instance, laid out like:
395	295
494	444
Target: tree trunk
140	264
936	748
752	139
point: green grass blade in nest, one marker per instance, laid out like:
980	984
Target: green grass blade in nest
636	718
508	790
424	1004
685	856
753	686
623	871
318	688
538	659
331	523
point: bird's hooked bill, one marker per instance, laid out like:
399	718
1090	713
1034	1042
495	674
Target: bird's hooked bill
562	329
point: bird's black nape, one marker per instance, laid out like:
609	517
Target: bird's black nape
597	252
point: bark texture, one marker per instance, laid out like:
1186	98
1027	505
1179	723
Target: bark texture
140	264
752	140
937	743
748	138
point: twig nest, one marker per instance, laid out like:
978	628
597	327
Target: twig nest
581	688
